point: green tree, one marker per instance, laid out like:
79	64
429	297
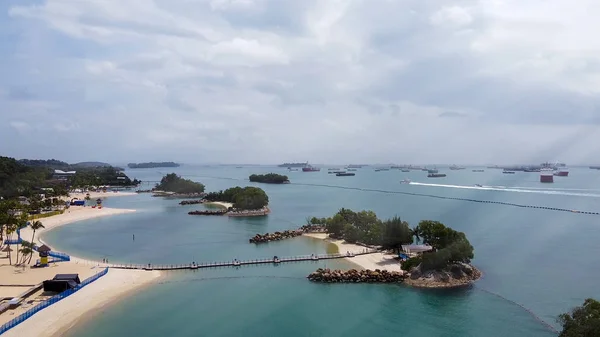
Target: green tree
35	225
269	178
582	321
26	251
174	183
395	234
251	198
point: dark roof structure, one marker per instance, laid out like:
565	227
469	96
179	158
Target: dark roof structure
44	249
67	277
58	286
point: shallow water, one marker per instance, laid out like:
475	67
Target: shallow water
542	260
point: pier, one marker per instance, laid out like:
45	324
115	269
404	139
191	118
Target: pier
237	263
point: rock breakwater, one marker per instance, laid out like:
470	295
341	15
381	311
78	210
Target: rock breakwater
268	237
356	276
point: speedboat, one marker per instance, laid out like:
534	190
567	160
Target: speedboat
405	181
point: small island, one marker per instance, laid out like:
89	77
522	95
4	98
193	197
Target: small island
173	185
269	178
152	165
241	201
442	260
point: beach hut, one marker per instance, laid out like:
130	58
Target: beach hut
44	252
67	277
62	282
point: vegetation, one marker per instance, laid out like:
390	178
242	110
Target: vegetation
247	198
101	176
365	227
449	246
17	179
269	178
582	321
34	177
174	183
152	165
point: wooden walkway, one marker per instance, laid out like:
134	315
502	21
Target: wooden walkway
238	263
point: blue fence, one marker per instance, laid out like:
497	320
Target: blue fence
18	320
58	257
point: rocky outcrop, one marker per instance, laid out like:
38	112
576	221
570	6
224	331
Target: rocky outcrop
253	212
356	276
192	202
268	237
208	212
313	228
455	275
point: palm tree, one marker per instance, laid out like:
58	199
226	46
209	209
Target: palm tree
26	251
416	232
35	225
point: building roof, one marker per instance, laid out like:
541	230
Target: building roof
43	249
63	172
417	248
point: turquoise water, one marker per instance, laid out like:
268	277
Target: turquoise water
545	261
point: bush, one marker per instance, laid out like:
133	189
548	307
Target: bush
411	263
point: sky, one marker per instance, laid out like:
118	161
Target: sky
324	81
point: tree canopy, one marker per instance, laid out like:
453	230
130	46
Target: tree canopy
269	178
247	198
582	321
17	179
365	227
152	164
448	245
174	183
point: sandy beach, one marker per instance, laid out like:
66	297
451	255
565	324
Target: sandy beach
224	204
371	261
59	317
96	195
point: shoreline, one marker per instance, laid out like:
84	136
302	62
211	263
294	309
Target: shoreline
387	262
373	261
60	317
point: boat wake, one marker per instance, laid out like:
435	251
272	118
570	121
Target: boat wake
513	189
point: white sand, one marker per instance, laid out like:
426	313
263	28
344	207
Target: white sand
370	261
62	315
221	203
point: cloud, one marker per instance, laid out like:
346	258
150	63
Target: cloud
327	80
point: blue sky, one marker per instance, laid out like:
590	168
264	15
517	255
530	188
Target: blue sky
267	81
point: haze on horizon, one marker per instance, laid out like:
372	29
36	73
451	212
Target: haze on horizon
328	81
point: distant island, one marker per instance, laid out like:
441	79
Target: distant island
269	178
152	165
175	184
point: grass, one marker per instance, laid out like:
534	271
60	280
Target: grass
45	215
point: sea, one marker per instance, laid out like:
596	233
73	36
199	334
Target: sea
536	263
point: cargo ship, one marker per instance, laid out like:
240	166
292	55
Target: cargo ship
508	172
436	175
561	170
288	165
309	168
454	167
345	174
547	175
478	170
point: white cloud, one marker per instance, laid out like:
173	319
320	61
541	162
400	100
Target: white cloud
323	80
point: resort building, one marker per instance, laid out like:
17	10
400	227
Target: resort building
62	175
